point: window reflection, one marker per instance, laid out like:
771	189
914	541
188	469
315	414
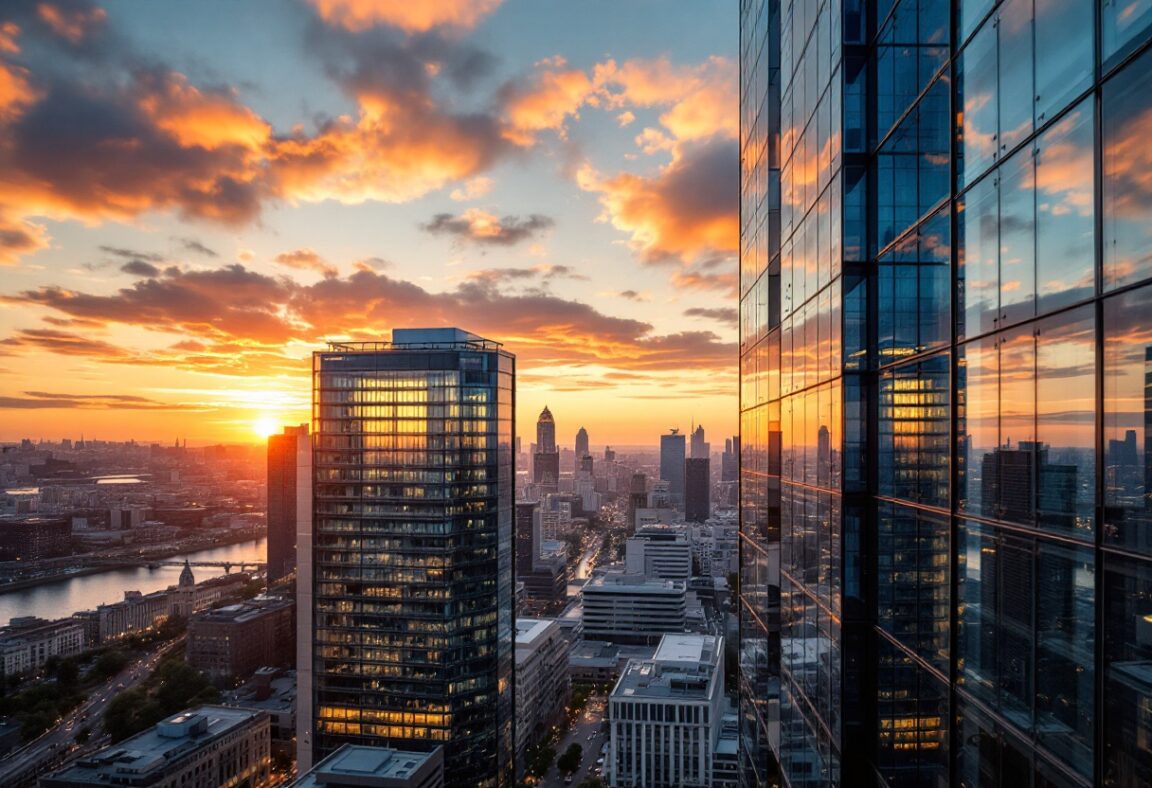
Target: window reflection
1065	213
914	432
978	393
1127	629
1124	25
1064	34
1127	160
977	99
1128	420
1018	238
979	283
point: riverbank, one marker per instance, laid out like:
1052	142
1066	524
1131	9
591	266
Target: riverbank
147	555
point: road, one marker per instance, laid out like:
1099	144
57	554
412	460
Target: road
586	733
57	745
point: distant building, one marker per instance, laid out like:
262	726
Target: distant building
31	538
730	460
698	448
637	497
672	465
233	641
273	692
204	746
541	679
581	444
659	552
666	715
135	613
545	578
27	643
289	488
188	596
357	766
697	489
633	609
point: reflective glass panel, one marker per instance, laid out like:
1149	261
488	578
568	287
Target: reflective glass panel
1128	419
1016	94
1127	632
979	287
978	392
1064	34
1124	23
1009	473
1065	213
1127	160
978	77
1018	238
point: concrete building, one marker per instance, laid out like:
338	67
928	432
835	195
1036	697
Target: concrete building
28	642
233	641
581	444
659	552
541	679
665	716
357	766
273	692
289	488
205	746
631	608
135	613
24	538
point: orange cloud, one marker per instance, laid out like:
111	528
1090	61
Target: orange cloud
73	23
18	238
198	119
16	92
688	212
413	16
472	189
553	95
8	33
306	260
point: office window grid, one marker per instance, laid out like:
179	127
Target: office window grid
945	408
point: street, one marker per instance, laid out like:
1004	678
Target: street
57	745
586	732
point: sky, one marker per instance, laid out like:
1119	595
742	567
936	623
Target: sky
196	196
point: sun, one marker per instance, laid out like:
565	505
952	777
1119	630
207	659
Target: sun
265	427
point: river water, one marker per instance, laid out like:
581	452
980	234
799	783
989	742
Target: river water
64	597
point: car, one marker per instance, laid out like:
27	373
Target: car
568	780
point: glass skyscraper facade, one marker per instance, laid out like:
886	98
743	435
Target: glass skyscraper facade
408	586
946	392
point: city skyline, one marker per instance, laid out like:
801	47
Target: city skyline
337	169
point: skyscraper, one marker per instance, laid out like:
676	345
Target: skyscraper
944	279
729	468
288	487
546	462
698	447
672	465
697	489
406	618
581	444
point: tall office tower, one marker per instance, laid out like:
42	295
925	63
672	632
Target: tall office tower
672	465
581	444
546	432
729	468
527	536
637	497
406	601
699	448
946	248
609	454
546	461
697	489
289	489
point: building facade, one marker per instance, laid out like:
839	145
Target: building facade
633	609
410	583
672	465
659	552
944	288
207	745
542	681
287	491
697	489
231	642
26	644
665	715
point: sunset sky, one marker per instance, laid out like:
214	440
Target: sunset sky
194	196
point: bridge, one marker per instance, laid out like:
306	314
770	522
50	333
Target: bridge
225	565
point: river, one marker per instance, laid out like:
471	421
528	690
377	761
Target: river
64	597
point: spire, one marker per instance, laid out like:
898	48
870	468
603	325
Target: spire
186	576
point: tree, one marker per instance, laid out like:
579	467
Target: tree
570	760
591	782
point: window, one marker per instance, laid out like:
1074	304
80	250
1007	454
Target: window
1127	159
914	432
1125	24
978	224
1127	632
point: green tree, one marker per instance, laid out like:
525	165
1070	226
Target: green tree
570	760
591	782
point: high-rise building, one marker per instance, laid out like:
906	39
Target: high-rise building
945	281
546	460
729	460
546	432
289	489
637	497
672	465
406	597
697	489
698	447
581	445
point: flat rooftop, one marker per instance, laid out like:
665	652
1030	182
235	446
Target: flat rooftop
153	749
243	611
684	666
529	629
355	764
633	584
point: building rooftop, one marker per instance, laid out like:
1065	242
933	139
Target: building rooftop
355	764
529	629
633	584
154	749
684	666
244	611
420	338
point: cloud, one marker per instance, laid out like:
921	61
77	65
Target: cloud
547	99
306	260
727	315
544	273
413	17
632	295
36	400
472	189
132	254
234	321
688	212
481	227
192	245
140	268
72	21
19	238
